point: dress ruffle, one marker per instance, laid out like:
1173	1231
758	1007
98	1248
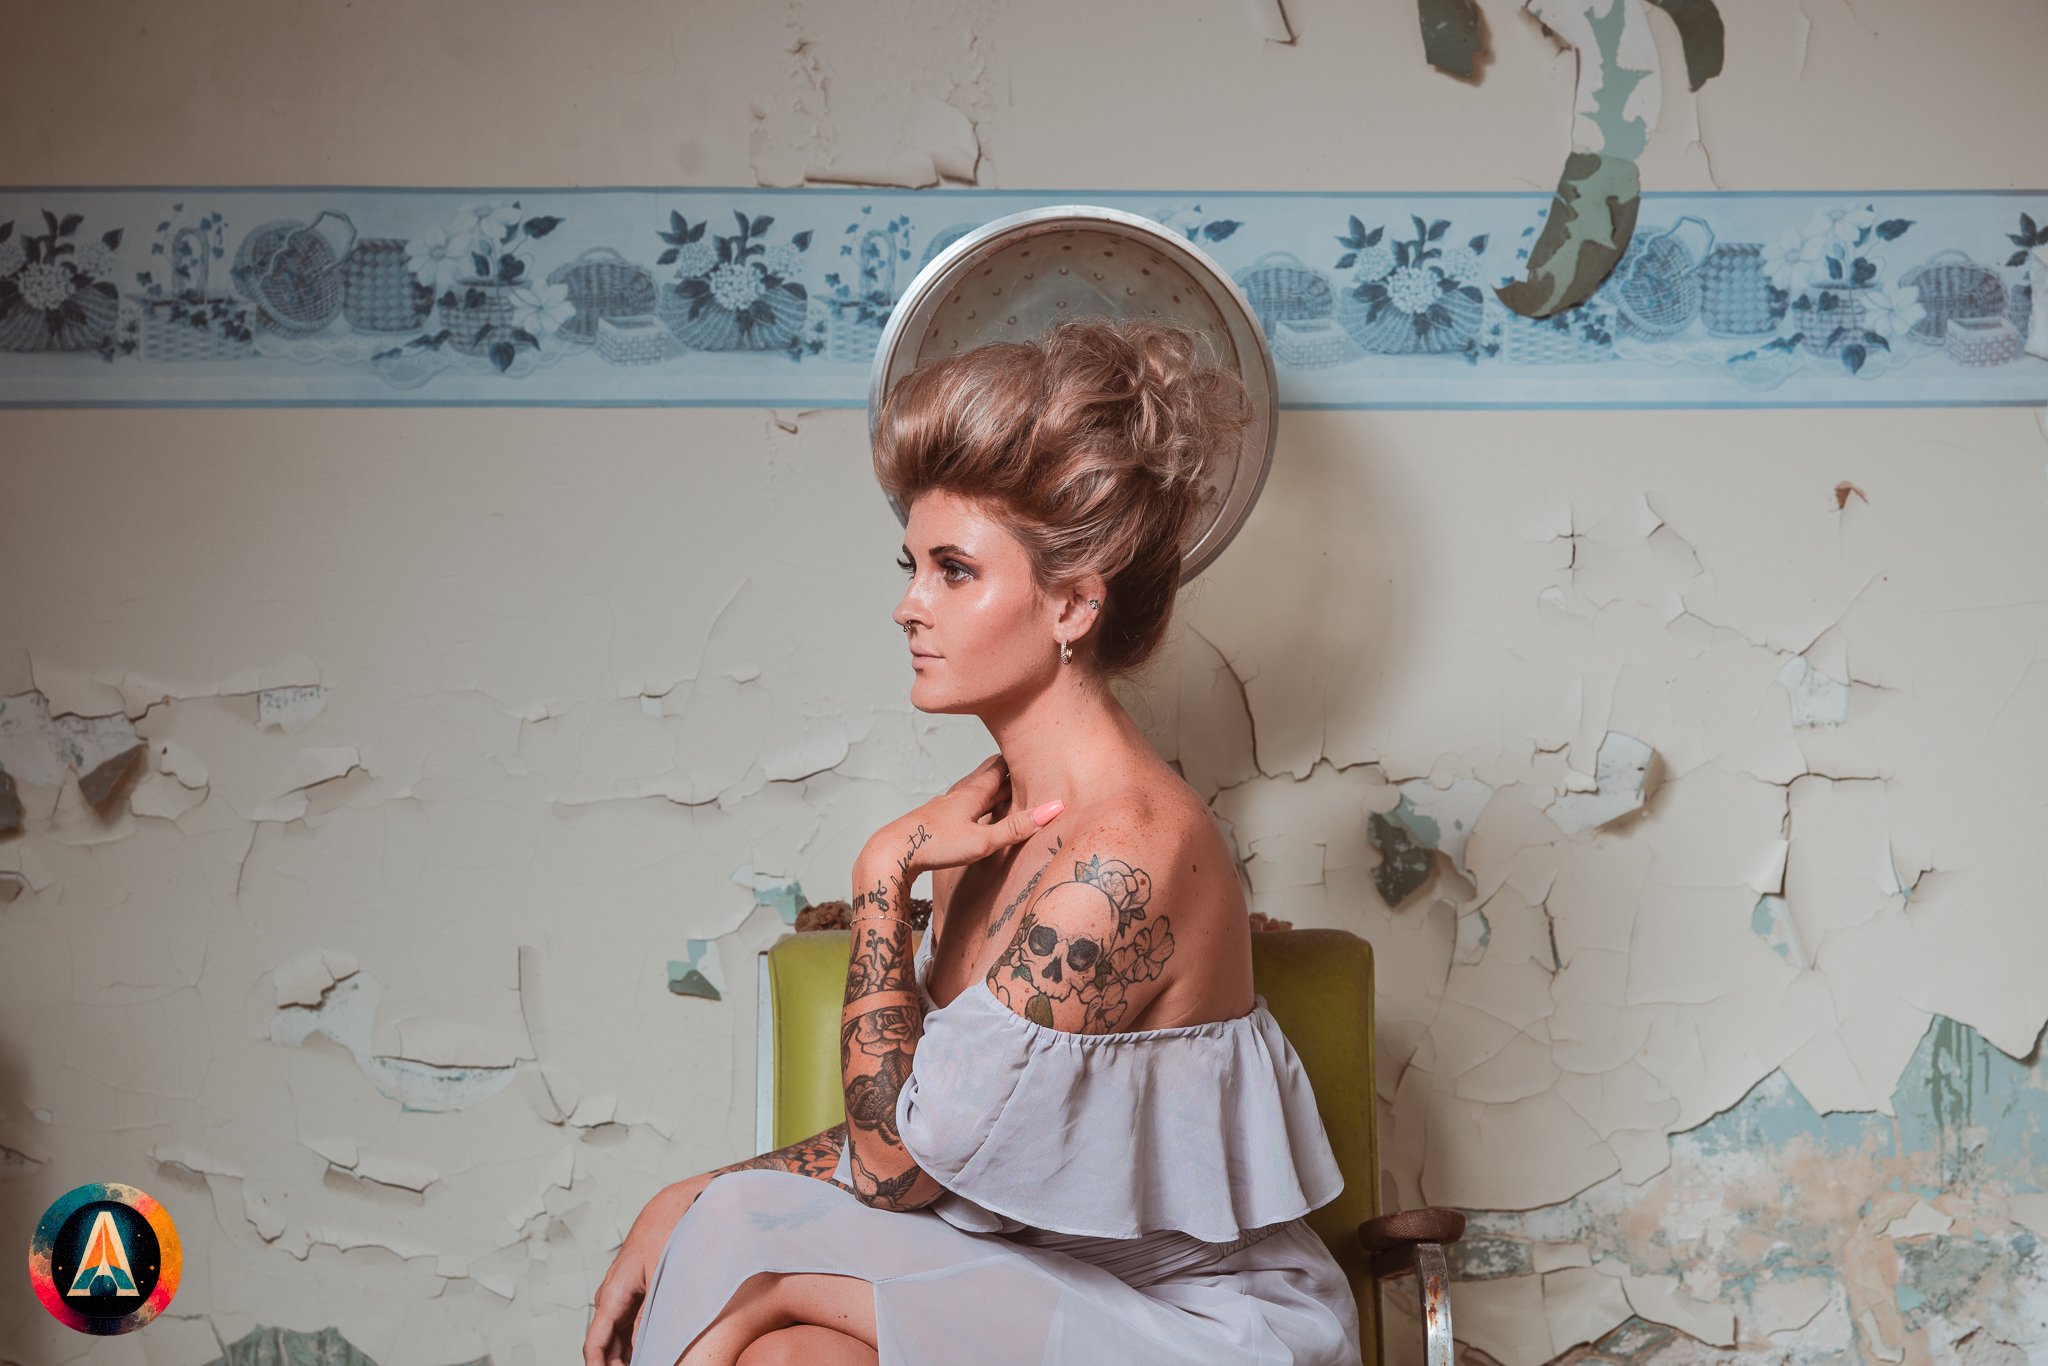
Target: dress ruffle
1210	1129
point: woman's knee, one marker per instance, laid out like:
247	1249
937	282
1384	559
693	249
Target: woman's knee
806	1344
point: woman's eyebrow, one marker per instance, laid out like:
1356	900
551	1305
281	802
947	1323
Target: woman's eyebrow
939	550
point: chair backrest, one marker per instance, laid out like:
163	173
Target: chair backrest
1317	983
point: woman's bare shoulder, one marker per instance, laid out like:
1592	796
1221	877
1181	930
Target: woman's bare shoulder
1142	918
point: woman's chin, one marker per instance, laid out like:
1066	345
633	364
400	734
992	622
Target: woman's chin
927	696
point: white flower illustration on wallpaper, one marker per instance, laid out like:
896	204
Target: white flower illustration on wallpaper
541	308
1795	259
1893	311
439	257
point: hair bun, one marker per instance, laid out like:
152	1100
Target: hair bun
1180	409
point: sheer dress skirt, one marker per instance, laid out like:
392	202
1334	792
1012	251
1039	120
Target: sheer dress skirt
1133	1197
944	1295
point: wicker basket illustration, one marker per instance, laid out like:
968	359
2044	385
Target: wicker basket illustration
1312	343
1656	287
80	323
1834	304
1737	298
602	284
2019	308
633	341
1281	288
1539	343
853	328
181	328
478	305
1395	331
1980	341
293	273
1953	286
704	324
378	292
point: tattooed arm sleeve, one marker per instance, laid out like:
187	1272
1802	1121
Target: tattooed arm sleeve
1088	954
816	1156
879	1028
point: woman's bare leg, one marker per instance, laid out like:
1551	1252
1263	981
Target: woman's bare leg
808	1345
770	1300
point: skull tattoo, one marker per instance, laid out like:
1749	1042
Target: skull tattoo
1074	951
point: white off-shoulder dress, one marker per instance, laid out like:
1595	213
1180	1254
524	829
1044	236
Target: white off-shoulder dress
1134	1197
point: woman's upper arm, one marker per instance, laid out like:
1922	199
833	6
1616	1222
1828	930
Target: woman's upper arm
1092	947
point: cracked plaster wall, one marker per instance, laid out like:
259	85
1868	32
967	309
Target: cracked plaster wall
390	784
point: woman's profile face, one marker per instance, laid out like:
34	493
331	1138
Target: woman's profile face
978	629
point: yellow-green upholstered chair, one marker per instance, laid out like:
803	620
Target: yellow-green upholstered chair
1319	986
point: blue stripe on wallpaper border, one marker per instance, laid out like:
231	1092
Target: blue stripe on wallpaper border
724	296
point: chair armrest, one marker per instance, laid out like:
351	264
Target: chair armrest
1393	1238
1413	1240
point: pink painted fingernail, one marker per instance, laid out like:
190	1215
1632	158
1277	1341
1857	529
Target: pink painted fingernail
1042	814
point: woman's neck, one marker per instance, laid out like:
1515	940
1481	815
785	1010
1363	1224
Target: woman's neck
1072	741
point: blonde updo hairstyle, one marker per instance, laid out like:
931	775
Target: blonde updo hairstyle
1091	444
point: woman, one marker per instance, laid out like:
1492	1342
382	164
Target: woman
1073	1132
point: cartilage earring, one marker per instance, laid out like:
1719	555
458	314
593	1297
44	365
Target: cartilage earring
1066	655
1093	602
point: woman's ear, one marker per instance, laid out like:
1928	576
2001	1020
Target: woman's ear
1080	609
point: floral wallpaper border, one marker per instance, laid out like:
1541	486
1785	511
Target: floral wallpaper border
738	296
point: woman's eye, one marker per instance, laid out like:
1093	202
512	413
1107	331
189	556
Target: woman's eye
952	565
906	566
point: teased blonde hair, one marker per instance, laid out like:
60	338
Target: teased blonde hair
1090	444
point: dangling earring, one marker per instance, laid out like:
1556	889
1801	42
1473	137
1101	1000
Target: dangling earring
1066	655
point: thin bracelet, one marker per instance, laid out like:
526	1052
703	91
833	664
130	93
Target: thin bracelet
859	919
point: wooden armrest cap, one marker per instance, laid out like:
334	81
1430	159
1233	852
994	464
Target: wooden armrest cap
1404	1228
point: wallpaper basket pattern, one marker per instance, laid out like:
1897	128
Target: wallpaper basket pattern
778	297
703	324
1836	306
602	284
1576	336
1656	287
189	326
854	325
1980	341
52	294
378	291
1951	285
1394	333
78	321
1281	288
632	341
167	334
293	273
478	311
1737	299
1311	343
853	334
1411	295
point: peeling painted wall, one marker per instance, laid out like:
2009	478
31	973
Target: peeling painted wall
398	798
